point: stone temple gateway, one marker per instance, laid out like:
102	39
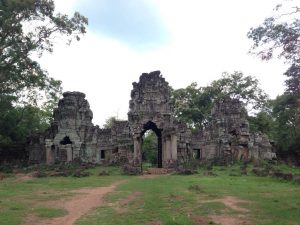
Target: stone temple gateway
73	136
150	107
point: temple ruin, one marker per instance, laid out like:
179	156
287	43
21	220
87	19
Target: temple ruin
73	136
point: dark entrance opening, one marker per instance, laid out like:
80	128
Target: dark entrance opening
66	141
102	154
197	154
152	126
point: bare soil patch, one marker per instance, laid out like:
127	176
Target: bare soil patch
228	220
84	200
200	219
21	177
231	202
224	219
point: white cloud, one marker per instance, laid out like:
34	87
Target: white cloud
207	38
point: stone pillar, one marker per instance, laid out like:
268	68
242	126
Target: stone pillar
168	149
163	148
76	149
137	149
69	153
174	147
159	152
49	152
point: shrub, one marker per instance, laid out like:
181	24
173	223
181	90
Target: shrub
131	170
103	173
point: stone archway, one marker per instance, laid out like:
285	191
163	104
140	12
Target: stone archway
152	126
151	107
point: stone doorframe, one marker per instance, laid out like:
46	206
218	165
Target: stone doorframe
166	146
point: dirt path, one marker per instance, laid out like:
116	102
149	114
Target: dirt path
240	218
84	200
121	206
231	202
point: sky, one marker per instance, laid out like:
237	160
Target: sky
187	40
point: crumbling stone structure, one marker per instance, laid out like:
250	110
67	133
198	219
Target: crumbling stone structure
150	107
228	136
73	136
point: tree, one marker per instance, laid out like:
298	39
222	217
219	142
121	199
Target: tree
28	28
279	35
262	122
21	122
238	86
287	133
110	122
150	147
193	105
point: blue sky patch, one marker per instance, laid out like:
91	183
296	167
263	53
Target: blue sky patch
134	22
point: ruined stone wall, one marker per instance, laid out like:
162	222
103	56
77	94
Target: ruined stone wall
72	134
228	138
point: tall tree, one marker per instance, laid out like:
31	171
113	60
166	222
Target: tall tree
193	104
238	86
28	28
279	35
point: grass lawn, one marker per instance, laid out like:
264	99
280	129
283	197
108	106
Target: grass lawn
166	199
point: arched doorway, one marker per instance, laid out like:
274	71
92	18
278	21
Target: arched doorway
151	108
158	132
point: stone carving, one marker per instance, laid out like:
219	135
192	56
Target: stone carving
73	136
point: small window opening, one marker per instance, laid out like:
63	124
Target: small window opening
66	141
102	154
197	153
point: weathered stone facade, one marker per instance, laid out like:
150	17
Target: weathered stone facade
150	107
228	136
73	136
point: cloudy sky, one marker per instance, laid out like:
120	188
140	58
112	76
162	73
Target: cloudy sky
187	40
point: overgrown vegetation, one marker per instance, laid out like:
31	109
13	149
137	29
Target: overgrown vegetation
28	29
278	36
193	104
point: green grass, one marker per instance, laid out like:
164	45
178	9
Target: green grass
49	212
171	199
18	199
